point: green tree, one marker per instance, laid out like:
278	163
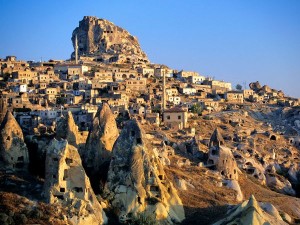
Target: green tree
239	87
196	108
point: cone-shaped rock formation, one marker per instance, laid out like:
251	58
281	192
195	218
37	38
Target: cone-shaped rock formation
137	182
101	138
13	150
67	184
250	213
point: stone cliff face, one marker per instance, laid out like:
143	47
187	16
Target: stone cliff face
106	42
101	138
137	182
67	184
13	150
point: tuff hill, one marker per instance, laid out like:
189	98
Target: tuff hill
105	42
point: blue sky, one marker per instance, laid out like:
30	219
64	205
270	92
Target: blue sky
237	41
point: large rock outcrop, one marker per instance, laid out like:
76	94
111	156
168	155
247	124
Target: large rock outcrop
137	182
102	136
13	150
221	158
67	129
67	184
3	108
250	212
106	42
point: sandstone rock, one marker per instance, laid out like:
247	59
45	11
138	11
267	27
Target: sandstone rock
67	184
293	173
234	185
255	86
137	181
250	212
67	129
221	158
279	183
106	42
3	108
13	150
101	138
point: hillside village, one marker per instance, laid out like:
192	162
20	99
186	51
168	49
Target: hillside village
41	92
107	135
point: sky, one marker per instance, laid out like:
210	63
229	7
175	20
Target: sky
237	41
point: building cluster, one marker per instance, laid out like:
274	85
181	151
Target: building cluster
40	92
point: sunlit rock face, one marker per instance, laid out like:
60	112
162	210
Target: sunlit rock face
102	136
67	184
252	212
13	150
137	182
106	42
67	129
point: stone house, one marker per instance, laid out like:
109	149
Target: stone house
218	84
71	69
146	71
152	118
159	72
103	76
136	84
171	91
234	97
176	117
195	79
174	99
187	91
26	76
186	74
137	109
247	93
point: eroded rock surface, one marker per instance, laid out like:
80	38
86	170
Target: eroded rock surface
107	42
137	182
101	138
13	150
250	212
67	129
67	184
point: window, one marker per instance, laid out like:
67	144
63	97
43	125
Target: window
179	117
168	117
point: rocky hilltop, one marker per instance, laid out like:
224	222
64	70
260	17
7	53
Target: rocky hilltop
106	42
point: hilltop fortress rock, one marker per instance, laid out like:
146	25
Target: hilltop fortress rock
13	150
137	182
103	41
67	184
